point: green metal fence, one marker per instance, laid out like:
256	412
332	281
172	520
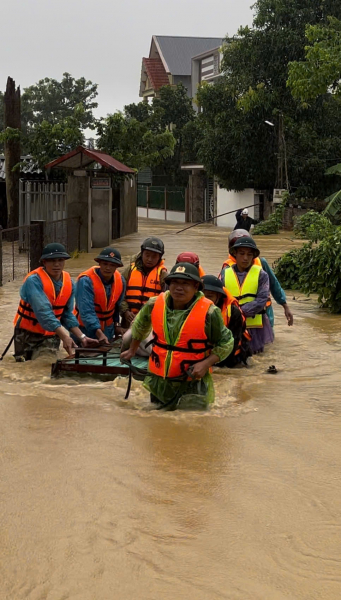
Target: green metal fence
162	198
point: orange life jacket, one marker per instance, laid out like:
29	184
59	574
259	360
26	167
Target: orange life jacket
141	287
229	300
25	317
256	261
104	309
201	271
191	345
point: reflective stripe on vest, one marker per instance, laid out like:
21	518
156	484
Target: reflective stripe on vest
141	287
247	292
104	309
257	261
191	345
25	317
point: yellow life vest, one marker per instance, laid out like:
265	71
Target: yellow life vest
245	293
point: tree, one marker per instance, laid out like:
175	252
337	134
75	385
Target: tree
237	145
51	100
46	141
171	111
133	142
12	123
320	72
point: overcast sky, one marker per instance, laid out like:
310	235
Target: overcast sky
103	40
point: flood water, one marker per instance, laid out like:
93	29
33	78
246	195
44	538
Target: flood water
104	499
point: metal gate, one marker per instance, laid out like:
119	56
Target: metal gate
42	201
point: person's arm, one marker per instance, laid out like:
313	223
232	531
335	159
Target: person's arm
250	309
275	287
85	302
220	337
124	306
68	319
254	221
116	316
277	291
32	292
141	328
238	214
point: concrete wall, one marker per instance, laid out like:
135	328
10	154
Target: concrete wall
171	215
101	217
79	205
128	206
230	200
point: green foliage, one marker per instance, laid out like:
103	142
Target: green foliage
313	226
9	134
150	135
321	68
274	223
315	270
47	140
133	142
288	267
333	209
236	144
53	101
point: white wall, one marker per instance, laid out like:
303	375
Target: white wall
172	215
230	200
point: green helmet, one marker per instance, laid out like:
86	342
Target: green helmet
245	242
154	244
54	251
184	270
110	255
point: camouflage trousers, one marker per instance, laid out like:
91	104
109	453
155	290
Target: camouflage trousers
28	344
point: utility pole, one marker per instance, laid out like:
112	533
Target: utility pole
282	165
12	118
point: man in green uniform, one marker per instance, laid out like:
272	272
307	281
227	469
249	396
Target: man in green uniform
189	338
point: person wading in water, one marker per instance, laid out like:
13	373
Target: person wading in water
249	284
145	278
233	319
276	289
99	293
243	220
46	307
189	337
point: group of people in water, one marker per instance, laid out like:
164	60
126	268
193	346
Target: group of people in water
185	321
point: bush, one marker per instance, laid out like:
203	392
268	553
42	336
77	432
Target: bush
313	226
315	270
274	223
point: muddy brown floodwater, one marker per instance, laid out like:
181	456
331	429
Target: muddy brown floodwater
103	499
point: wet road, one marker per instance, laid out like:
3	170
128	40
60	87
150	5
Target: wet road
105	499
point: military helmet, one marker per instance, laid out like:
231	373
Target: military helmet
54	250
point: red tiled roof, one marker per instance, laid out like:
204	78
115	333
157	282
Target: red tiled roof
156	72
82	157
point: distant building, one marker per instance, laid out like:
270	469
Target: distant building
205	67
170	62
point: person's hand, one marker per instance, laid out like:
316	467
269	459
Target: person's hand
120	331
199	370
128	354
69	344
89	342
129	316
288	315
101	337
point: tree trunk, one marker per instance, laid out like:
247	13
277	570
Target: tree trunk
12	151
